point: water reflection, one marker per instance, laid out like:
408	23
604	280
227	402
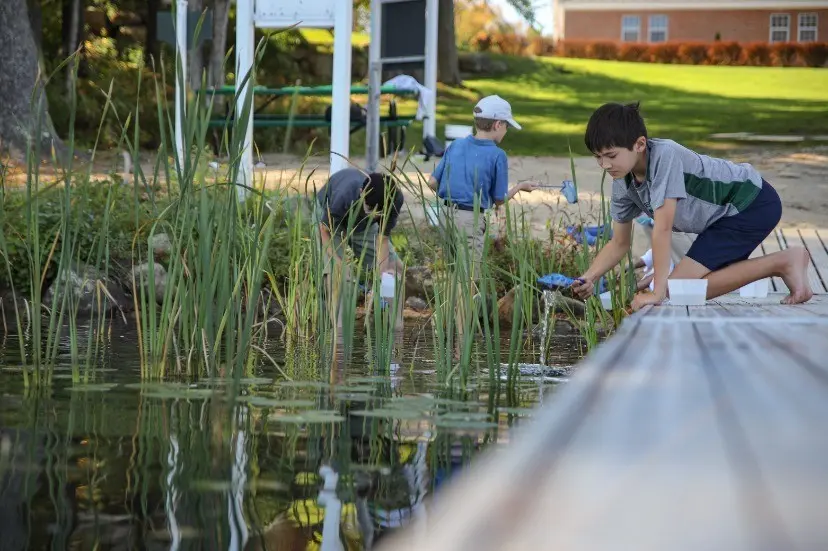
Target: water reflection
337	457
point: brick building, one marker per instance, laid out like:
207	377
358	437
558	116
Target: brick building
687	20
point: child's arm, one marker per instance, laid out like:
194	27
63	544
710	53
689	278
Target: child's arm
662	239
609	256
437	175
523	186
499	190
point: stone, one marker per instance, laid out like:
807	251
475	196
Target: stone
419	282
161	247
417	304
561	305
82	283
140	273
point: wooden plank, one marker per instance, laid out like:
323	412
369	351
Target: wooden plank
768	402
770	246
819	256
790	238
664	430
708	419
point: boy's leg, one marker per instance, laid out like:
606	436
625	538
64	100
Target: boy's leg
364	245
791	265
721	253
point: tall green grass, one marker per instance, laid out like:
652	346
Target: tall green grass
212	317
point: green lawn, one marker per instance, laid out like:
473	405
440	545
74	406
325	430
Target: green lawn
553	98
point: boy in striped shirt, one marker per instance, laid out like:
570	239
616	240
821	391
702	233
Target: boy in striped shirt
730	206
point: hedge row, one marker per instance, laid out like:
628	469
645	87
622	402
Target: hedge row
782	54
512	44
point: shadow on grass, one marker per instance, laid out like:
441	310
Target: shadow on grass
553	106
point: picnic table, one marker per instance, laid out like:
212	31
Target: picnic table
275	120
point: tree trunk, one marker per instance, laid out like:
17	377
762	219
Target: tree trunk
195	63
21	85
73	27
221	17
36	21
151	47
448	69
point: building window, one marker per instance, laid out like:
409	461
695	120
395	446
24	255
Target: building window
780	27
658	28
808	27
631	28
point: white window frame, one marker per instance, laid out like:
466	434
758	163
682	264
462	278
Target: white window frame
786	28
665	29
800	27
625	28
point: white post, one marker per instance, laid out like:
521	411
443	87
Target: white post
372	130
430	123
340	111
180	82
244	66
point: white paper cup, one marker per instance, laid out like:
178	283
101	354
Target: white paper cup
687	292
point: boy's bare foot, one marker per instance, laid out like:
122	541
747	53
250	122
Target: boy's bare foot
795	276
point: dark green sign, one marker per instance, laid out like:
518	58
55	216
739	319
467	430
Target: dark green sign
165	21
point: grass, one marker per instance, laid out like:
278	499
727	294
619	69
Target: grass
553	98
212	320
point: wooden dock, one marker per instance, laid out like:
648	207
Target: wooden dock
691	428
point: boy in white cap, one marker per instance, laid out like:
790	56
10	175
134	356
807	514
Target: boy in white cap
471	180
473	175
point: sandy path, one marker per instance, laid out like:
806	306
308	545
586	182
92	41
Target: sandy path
799	175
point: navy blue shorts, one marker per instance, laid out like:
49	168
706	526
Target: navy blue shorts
734	238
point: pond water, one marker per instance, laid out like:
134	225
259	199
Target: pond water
335	458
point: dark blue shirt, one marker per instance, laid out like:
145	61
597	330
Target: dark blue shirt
472	167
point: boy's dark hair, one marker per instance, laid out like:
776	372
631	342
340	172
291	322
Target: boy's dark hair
377	187
614	125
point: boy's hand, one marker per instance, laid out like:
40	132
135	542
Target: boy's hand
644	298
528	185
584	287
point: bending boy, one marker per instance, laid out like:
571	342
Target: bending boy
730	206
359	211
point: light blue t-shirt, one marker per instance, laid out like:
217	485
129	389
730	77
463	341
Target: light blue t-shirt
472	166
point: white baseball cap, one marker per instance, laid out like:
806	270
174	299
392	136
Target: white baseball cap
495	108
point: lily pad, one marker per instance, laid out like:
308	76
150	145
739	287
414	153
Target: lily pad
308	417
517	411
354	397
457	424
100	387
303	384
389	413
368	380
262	401
243	381
157	386
355	388
464	416
189	393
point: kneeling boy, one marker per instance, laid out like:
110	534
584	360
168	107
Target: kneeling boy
730	206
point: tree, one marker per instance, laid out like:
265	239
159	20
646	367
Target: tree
21	83
218	48
448	68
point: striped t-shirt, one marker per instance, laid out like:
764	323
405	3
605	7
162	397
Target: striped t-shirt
707	188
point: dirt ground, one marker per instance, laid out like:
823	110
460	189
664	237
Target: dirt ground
799	175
